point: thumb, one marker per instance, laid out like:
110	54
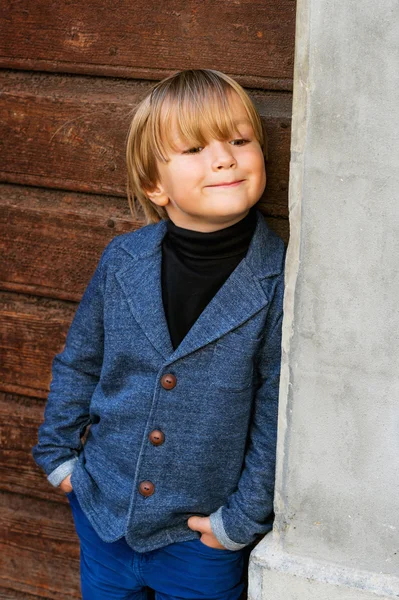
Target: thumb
197	524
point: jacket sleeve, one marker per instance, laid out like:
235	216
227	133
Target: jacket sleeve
75	374
248	511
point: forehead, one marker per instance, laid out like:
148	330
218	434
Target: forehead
216	117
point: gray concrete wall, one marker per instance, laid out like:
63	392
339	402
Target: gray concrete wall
337	492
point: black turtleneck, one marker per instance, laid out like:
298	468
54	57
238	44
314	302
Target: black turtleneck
195	265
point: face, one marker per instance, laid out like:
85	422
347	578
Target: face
212	187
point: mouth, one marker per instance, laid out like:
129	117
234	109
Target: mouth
227	184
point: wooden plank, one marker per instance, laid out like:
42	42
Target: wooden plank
20	418
39	548
9	594
32	331
70	133
151	40
44	234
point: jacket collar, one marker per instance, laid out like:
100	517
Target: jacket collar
245	292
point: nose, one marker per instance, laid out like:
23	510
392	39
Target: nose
222	156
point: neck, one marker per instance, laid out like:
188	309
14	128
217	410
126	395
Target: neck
222	243
202	226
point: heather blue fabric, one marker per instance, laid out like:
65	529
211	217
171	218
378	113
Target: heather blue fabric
187	570
219	421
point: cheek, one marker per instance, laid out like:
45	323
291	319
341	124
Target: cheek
186	176
256	164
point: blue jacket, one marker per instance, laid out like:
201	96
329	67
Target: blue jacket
216	413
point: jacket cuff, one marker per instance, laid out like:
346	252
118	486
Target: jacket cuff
220	532
61	472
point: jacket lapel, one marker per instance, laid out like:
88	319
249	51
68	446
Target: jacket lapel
248	289
236	301
141	283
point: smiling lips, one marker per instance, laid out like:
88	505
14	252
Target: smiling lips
227	184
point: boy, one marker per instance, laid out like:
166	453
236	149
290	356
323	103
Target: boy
173	357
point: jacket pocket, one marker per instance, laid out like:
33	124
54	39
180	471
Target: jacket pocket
70	494
232	364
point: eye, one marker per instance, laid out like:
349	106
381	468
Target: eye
193	150
239	142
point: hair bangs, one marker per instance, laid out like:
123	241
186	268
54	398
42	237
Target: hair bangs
192	120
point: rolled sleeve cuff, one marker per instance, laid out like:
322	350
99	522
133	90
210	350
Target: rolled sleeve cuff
61	472
220	532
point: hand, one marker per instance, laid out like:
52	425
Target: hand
203	525
65	484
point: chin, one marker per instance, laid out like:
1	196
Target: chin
232	211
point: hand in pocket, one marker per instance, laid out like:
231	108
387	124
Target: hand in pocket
65	484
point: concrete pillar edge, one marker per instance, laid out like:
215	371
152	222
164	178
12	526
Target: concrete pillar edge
268	556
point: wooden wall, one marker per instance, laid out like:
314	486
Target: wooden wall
70	74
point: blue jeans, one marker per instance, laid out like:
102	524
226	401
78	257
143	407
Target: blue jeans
185	570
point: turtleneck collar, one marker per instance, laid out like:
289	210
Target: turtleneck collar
223	243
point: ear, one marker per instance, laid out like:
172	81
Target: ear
158	196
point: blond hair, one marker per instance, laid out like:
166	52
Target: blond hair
197	102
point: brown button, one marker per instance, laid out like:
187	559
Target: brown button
156	437
168	381
146	488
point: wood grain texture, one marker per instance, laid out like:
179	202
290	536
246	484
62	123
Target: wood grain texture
45	234
32	331
39	548
252	40
70	133
9	594
20	418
